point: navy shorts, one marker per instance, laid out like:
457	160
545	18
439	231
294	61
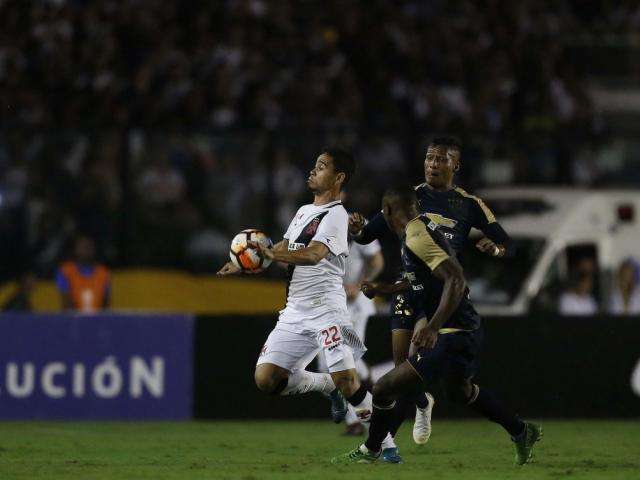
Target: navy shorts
402	313
455	356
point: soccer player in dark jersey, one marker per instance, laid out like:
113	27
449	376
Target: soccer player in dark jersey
455	212
447	335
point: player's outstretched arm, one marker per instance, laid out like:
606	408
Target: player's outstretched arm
425	334
488	246
364	232
282	245
374	289
450	272
310	255
228	269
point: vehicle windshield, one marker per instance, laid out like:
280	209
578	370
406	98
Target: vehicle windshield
497	281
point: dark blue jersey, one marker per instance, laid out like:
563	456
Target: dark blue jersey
454	211
424	248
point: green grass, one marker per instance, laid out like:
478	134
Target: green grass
301	450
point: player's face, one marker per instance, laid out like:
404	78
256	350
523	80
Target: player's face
395	216
440	164
322	177
84	250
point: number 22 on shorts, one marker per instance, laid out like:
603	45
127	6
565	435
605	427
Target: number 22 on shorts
331	335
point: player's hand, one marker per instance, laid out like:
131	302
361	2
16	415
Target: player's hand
369	289
356	223
352	290
228	269
486	245
262	252
424	335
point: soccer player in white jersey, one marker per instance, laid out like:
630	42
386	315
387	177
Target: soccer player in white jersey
364	264
315	318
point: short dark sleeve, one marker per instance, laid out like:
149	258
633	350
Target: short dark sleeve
375	229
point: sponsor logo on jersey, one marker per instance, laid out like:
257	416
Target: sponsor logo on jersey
440	220
295	246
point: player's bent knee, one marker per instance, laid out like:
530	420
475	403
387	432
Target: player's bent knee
266	380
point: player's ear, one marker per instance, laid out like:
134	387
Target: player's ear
340	177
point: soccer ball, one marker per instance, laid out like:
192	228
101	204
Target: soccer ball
247	258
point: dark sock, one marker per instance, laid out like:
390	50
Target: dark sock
281	386
380	419
358	397
488	405
399	414
420	399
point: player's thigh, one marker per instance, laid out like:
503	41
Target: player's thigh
400	342
430	363
340	345
286	349
461	361
399	381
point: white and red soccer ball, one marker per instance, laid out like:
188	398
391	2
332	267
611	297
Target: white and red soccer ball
247	258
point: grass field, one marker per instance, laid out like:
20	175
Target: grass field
458	450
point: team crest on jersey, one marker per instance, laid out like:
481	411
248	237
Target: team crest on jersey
309	230
440	220
312	227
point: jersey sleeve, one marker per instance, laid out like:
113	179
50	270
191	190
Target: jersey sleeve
332	231
496	233
482	215
423	245
373	230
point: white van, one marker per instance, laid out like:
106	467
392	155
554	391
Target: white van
552	229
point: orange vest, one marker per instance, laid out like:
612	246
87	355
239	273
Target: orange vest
87	292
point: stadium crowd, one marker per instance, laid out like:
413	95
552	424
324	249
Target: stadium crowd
145	124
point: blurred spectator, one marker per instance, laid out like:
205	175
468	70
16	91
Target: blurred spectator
161	185
84	284
625	298
20	301
219	77
289	185
579	298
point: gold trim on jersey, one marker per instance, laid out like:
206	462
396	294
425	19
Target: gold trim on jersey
444	331
440	220
487	211
422	244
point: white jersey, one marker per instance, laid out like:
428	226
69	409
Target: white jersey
358	255
316	289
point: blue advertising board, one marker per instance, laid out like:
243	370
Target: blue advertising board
96	366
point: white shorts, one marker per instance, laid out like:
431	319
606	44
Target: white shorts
292	350
360	310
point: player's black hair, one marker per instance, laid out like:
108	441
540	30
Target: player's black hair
452	142
343	162
403	196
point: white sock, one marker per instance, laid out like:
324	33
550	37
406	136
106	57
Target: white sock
364	409
351	418
302	381
388	442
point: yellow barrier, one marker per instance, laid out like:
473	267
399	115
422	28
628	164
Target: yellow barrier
173	291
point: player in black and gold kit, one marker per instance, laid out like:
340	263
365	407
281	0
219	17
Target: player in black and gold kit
455	212
446	338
